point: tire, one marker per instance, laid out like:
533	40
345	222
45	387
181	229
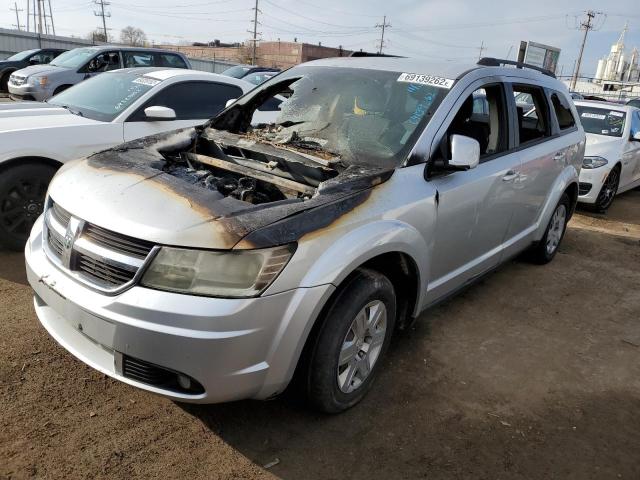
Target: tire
62	88
4	82
544	250
608	191
333	385
22	194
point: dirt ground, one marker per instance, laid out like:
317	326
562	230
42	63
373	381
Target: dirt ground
534	373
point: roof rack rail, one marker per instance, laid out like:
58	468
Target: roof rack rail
497	62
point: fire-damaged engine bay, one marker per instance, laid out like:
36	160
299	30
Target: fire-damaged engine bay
255	167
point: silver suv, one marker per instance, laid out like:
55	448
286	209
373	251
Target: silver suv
40	82
213	264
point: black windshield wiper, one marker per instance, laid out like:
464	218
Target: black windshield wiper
70	110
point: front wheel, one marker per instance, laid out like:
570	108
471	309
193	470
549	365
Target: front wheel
544	250
608	191
354	336
22	194
4	82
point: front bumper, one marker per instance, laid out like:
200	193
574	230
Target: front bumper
233	348
596	178
27	91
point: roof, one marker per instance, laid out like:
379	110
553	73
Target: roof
164	73
604	105
441	68
98	48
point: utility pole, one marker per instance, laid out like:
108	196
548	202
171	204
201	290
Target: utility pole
39	17
53	27
104	16
255	33
15	9
382	26
482	49
586	26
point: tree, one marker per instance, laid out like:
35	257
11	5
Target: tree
97	35
133	36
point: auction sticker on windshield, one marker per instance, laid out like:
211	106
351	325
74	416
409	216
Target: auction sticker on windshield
439	82
152	82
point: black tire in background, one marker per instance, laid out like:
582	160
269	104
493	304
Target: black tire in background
4	82
322	377
542	252
23	189
608	191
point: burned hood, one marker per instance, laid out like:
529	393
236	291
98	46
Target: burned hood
131	190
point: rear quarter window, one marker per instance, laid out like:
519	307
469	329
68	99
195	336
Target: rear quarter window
562	111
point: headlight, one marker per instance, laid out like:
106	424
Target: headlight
236	274
593	162
42	81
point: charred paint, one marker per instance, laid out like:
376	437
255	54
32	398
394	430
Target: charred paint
260	225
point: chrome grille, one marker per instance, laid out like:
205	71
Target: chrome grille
16	80
106	260
121	243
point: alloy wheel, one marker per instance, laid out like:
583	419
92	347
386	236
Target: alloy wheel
556	228
361	346
609	189
21	206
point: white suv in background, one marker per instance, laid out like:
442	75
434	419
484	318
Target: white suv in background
612	156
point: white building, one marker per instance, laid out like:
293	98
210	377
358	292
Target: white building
618	66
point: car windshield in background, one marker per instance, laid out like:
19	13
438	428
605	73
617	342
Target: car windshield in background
236	72
364	117
22	55
601	121
74	58
104	97
259	77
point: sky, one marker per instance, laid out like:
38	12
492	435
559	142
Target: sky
441	30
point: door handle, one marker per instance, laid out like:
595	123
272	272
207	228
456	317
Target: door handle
510	175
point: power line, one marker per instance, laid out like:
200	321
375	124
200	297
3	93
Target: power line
104	15
382	26
586	26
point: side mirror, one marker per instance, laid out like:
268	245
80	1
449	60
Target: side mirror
160	113
34	61
229	102
465	152
636	137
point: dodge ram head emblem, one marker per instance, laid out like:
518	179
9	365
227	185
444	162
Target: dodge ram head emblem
70	236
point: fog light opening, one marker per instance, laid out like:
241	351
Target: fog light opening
184	382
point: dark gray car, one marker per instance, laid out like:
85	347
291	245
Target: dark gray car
37	56
41	82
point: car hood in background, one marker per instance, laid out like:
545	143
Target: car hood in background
35	115
41	70
603	146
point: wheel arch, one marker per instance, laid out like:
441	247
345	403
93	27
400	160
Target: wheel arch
16	161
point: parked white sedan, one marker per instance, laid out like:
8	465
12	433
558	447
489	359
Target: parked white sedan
116	107
612	156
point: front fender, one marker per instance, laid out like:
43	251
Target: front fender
568	176
343	251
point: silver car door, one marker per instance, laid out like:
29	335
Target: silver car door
475	206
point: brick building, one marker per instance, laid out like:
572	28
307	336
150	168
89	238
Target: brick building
268	54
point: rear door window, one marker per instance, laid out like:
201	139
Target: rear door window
170	60
137	59
532	113
562	111
191	100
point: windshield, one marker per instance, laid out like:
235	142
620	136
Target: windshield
104	97
601	121
236	72
74	58
360	116
22	55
